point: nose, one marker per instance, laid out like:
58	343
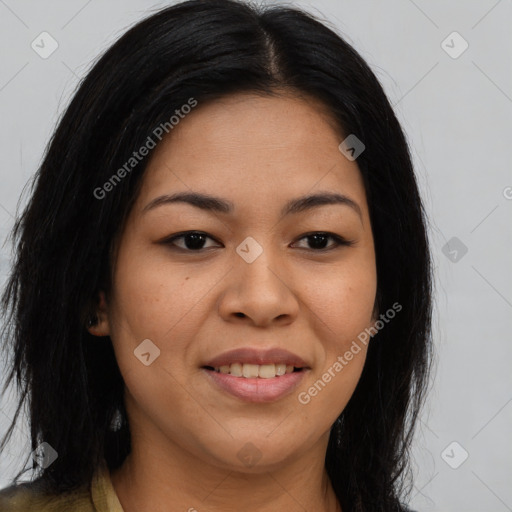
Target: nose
261	293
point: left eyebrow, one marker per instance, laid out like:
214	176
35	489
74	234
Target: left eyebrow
319	199
217	204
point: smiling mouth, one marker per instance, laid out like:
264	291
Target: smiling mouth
253	371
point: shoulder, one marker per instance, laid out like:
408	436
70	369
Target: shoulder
29	496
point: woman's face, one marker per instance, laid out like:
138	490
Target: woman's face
256	279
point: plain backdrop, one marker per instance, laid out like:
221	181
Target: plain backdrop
454	103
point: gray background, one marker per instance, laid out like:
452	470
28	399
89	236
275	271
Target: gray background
457	113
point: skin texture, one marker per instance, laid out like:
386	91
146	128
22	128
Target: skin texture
257	152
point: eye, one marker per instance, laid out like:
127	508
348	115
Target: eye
192	240
318	241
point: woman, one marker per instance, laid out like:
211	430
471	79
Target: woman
222	285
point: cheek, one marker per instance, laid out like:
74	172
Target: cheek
151	298
343	302
343	299
165	305
152	313
344	317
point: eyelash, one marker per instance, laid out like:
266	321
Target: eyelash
339	241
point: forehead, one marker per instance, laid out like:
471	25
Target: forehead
249	124
248	145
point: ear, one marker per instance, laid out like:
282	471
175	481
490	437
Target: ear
99	325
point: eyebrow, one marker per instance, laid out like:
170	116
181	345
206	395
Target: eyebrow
216	204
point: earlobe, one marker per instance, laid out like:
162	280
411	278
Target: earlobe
98	324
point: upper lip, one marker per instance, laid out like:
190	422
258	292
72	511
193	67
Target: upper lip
257	356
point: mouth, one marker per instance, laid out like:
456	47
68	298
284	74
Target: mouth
255	389
256	374
255	371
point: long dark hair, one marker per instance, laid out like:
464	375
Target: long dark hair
64	238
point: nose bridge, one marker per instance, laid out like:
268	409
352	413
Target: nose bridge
258	266
257	287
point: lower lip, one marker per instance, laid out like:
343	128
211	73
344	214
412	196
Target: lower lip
257	389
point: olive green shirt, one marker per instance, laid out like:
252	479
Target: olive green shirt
100	496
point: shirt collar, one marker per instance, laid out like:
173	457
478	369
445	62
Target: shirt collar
104	496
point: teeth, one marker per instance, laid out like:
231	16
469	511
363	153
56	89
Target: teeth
281	369
252	371
267	371
236	370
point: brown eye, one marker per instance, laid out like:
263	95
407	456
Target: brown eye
194	241
318	241
191	240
